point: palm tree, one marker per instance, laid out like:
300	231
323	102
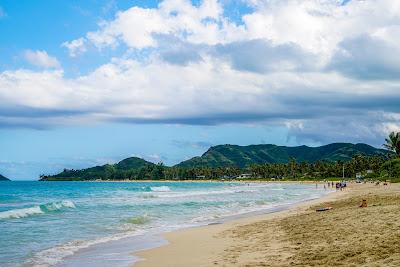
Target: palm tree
393	143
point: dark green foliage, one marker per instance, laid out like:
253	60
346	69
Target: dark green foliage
296	163
132	163
245	156
130	168
393	143
2	178
391	169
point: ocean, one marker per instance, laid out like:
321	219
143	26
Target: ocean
101	223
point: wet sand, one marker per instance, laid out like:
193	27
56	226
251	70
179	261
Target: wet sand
344	236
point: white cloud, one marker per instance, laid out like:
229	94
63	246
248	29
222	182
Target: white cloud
319	26
316	26
75	47
312	24
206	92
136	27
41	59
291	62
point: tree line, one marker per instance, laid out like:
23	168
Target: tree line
369	167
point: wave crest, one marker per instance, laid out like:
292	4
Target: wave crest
36	210
20	213
59	205
163	188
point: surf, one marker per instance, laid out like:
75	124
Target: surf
37	210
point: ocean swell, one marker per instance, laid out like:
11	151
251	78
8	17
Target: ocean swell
36	210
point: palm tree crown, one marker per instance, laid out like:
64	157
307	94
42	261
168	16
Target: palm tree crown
393	142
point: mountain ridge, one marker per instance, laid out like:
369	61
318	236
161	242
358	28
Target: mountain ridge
242	156
223	156
99	172
2	178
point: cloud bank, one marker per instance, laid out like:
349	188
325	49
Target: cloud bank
328	70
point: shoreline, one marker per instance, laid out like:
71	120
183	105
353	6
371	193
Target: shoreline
172	248
201	181
230	244
96	251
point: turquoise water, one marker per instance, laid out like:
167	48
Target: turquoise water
43	223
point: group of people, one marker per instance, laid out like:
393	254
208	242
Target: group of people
341	185
338	185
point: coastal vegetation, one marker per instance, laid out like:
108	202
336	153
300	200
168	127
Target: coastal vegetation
393	143
245	156
264	162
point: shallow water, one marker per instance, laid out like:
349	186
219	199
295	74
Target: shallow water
44	223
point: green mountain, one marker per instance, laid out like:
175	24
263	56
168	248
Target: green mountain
243	156
2	178
131	166
132	163
218	156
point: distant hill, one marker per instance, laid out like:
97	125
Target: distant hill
2	178
242	156
132	163
108	171
218	156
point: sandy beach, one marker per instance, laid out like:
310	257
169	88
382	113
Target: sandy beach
346	235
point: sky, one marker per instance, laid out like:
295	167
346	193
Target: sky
84	83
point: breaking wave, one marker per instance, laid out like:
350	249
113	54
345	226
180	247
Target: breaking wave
160	188
36	210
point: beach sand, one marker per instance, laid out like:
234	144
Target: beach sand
344	236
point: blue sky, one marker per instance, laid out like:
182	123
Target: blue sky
89	82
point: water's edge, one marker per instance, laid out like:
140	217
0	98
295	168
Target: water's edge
103	224
127	247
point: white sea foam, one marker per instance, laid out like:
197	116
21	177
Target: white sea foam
36	210
20	213
110	210
54	206
55	255
206	192
160	188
